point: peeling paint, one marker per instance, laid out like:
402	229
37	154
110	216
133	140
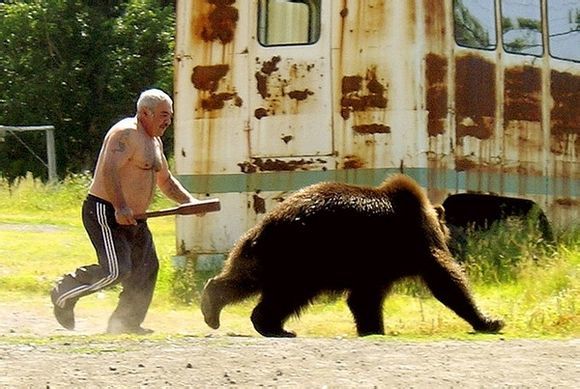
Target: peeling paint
300	95
216	101
435	18
463	164
565	89
436	76
352	162
207	78
269	67
355	98
522	94
259	204
221	22
269	164
475	97
259	113
262	85
247	167
351	84
565	114
373	128
567	202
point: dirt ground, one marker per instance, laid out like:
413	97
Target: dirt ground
35	352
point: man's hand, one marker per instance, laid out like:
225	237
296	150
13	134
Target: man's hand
124	216
193	200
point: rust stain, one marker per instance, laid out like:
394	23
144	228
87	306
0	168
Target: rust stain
357	97
475	97
463	164
435	19
269	67
351	84
269	164
262	85
375	87
247	167
373	128
565	89
221	22
567	202
300	95
216	101
436	75
207	78
352	162
411	21
259	113
286	139
522	94
565	114
259	204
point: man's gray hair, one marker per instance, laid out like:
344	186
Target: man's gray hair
151	98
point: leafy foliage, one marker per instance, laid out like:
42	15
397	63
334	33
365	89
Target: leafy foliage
79	66
468	30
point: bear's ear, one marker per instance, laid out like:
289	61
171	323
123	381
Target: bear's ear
440	212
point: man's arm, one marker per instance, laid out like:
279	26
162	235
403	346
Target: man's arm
170	187
117	153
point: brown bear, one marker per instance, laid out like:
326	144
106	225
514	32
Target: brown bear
334	237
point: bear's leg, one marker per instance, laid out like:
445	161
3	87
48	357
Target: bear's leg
366	305
448	284
272	312
219	292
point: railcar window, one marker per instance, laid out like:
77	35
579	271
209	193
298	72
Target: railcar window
521	25
475	23
564	29
288	22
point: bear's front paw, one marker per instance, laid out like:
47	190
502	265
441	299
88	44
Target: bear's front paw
490	326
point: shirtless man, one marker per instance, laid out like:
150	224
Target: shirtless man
130	166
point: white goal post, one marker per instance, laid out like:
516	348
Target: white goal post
50	146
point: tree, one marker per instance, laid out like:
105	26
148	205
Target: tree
79	66
468	30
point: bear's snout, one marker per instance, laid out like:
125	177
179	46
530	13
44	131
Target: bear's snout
211	313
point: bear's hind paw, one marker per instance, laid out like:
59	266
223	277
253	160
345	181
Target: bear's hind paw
278	334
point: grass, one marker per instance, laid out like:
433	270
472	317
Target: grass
534	287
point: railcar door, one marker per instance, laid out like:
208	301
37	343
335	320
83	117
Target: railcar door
290	86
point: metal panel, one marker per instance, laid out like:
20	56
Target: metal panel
290	97
376	82
385	88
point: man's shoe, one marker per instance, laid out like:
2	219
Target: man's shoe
64	315
118	329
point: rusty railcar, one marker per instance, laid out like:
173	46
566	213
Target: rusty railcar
464	95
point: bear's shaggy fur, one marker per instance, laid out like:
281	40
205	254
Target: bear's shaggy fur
333	237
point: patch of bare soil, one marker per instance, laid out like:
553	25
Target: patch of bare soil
235	361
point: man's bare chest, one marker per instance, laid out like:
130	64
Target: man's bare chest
148	156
